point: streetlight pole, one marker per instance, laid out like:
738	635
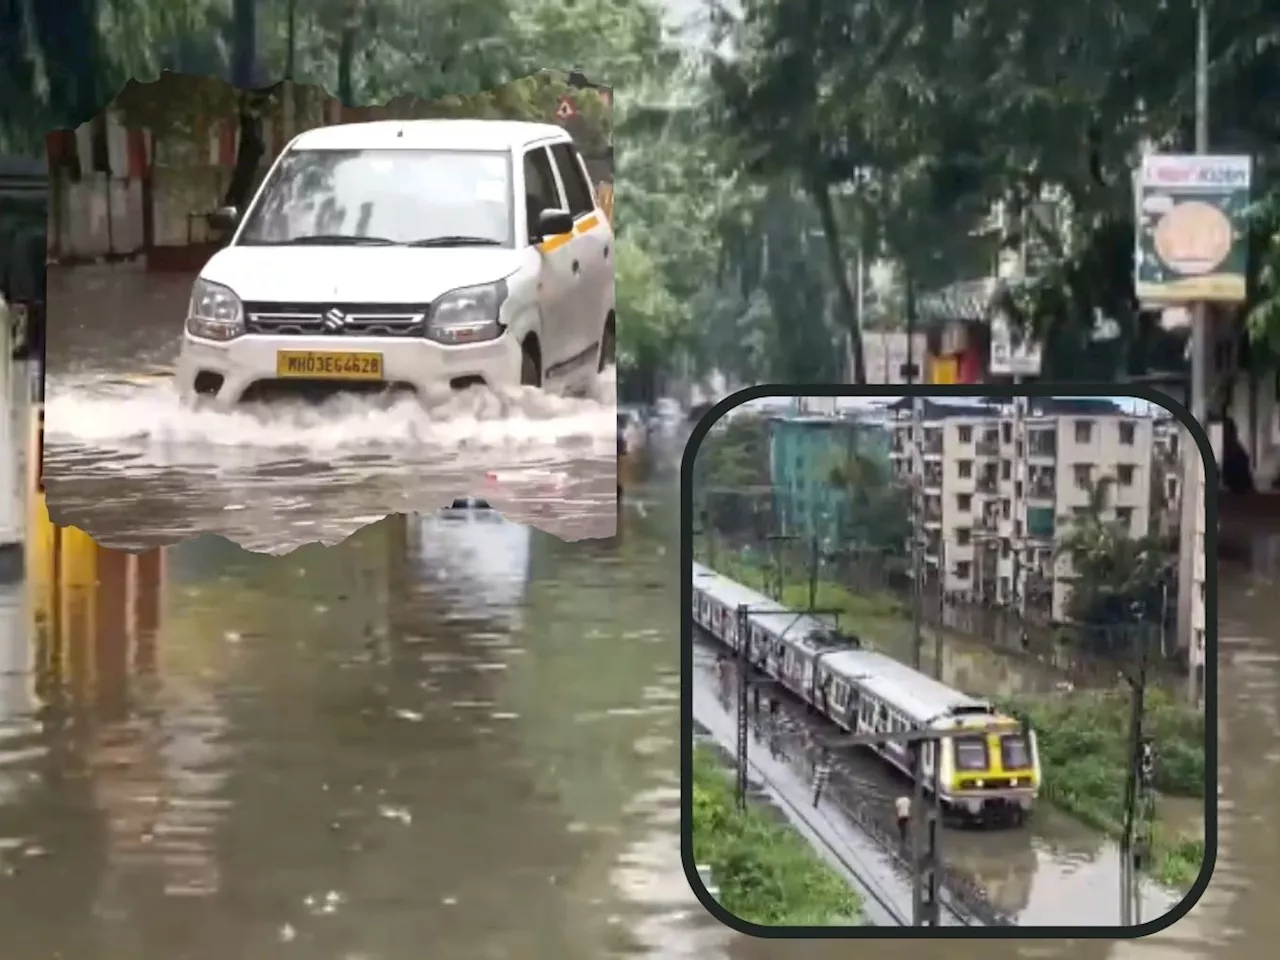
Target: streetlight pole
1193	470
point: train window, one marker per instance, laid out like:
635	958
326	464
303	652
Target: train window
1014	752
971	754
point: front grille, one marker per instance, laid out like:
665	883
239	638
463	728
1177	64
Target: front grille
336	319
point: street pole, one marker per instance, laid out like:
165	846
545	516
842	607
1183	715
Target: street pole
12	501
1193	471
742	627
813	571
942	608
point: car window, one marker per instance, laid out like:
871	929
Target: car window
398	196
576	187
541	192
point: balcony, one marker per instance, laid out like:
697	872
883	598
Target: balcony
988	445
932	479
1042	443
987	483
1042	487
932	446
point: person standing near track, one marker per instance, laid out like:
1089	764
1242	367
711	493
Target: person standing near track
902	808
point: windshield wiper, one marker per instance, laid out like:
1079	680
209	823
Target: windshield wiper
455	241
335	240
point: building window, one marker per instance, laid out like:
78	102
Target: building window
1124	474
964	536
964	502
1006	469
965	468
1124	517
964	570
1084	474
1006	431
1006	508
966	434
1084	431
1127	433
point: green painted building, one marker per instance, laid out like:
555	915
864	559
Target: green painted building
803	452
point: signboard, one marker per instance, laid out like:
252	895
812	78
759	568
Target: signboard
1191	240
1012	353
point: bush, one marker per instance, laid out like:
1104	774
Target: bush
767	873
1084	755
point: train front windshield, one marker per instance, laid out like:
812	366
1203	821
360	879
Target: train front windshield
1015	752
971	754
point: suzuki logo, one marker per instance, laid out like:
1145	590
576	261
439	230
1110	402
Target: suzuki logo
335	320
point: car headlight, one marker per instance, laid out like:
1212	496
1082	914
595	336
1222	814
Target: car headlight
468	315
215	312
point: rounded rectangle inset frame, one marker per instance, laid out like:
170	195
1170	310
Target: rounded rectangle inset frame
907	930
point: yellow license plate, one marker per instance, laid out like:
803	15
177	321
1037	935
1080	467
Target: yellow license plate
323	365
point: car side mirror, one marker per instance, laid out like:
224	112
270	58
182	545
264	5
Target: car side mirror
552	223
224	218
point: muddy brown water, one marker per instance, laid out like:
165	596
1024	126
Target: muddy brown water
125	460
458	740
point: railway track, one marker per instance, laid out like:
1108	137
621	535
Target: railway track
863	800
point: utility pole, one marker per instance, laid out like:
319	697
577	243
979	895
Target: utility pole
942	608
813	570
1135	837
747	681
12	519
917	527
1193	469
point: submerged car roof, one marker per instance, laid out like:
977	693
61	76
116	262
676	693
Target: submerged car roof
429	135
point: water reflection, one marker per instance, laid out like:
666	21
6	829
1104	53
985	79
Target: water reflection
460	735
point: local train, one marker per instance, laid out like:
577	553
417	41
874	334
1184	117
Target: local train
983	774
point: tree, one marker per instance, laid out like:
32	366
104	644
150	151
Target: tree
878	517
1119	579
732	476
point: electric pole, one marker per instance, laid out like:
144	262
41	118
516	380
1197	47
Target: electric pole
1193	470
917	528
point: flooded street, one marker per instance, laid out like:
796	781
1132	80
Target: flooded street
462	736
127	462
466	737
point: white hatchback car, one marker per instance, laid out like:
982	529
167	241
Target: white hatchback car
408	254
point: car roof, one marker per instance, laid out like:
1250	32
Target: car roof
429	135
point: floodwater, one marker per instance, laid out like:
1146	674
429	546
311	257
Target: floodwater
462	737
125	461
1053	871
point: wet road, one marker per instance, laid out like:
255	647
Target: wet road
462	737
126	462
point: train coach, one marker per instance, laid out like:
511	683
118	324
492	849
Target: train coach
982	774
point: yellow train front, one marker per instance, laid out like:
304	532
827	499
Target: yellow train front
989	774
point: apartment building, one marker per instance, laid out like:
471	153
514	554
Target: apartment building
1002	481
804	450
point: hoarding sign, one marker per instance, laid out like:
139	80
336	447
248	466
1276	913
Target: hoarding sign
1191	241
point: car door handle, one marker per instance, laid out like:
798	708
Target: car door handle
576	266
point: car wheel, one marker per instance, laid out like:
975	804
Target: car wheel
608	346
530	368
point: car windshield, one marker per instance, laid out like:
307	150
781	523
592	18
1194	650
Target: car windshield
380	197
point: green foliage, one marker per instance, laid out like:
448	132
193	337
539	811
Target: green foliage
767	873
1118	576
731	476
879	509
1084	753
